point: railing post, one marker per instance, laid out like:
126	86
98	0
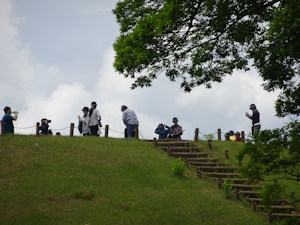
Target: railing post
196	135
106	131
219	135
72	130
2	127
37	129
243	135
136	132
154	143
226	154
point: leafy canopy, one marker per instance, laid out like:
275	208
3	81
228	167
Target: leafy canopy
201	41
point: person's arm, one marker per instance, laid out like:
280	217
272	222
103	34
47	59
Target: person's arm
98	115
124	118
16	115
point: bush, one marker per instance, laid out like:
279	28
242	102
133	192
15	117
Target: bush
178	167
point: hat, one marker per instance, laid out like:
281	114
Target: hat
252	106
175	119
86	109
237	133
94	104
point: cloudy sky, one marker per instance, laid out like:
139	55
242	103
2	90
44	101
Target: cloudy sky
56	57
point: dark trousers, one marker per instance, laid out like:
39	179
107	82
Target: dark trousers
94	130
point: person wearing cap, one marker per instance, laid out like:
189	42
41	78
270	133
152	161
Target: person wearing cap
176	130
94	119
7	120
255	119
84	121
162	130
130	120
238	137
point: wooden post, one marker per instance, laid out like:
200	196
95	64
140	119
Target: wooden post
237	196
209	142
2	127
37	130
196	135
219	183
169	152
226	154
219	135
243	135
106	131
154	143
72	130
136	132
270	218
253	206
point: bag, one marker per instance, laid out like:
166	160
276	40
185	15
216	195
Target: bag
80	127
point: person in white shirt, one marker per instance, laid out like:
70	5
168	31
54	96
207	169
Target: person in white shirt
94	120
84	121
130	120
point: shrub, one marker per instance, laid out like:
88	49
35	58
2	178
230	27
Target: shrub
178	167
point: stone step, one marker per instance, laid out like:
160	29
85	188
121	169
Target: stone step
189	154
217	168
213	174
245	186
181	149
206	159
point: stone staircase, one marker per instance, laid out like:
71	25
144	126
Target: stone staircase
209	167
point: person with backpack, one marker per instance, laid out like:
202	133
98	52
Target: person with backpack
83	122
94	120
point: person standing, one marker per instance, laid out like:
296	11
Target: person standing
176	130
255	119
130	120
7	120
85	130
162	130
94	120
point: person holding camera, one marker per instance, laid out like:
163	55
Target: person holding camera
94	120
255	119
7	120
162	130
83	122
44	128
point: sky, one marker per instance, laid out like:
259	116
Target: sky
57	57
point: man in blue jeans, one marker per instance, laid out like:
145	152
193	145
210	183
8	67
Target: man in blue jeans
8	120
130	120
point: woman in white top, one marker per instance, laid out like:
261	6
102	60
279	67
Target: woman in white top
94	119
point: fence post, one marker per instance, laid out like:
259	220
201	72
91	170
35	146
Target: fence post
136	132
243	135
226	154
2	127
154	142
72	130
37	130
106	131
219	135
196	135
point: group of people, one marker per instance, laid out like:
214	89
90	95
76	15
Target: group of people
165	131
90	123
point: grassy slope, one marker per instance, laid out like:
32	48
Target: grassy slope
218	150
62	180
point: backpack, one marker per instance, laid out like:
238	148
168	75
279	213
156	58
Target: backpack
80	127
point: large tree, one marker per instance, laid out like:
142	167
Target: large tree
200	41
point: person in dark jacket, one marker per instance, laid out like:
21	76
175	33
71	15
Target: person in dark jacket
255	119
8	119
44	128
176	130
162	130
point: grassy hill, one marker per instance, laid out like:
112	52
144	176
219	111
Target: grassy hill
89	180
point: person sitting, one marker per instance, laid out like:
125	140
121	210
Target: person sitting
175	130
231	135
238	137
162	130
44	127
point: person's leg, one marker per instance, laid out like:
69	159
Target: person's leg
130	130
94	130
256	129
252	130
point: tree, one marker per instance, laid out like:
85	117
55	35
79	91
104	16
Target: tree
201	41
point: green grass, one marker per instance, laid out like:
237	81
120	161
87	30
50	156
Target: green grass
89	180
233	148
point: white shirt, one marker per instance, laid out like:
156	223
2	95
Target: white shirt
129	117
93	119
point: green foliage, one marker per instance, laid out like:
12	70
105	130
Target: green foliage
291	221
209	137
200	42
227	187
271	194
178	167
